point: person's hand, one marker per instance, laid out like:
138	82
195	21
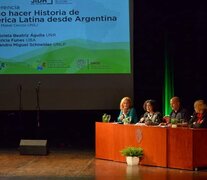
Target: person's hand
166	119
121	117
162	124
141	120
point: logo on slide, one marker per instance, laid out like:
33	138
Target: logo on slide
2	65
37	2
63	1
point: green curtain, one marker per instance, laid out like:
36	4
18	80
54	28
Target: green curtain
168	80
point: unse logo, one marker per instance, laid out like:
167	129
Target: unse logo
42	2
139	135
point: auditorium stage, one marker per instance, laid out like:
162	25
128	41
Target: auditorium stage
65	163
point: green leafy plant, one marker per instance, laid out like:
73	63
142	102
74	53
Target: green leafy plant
132	151
106	117
174	121
127	120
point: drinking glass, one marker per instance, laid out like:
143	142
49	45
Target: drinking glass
109	118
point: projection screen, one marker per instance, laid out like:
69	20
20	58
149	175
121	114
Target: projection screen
68	54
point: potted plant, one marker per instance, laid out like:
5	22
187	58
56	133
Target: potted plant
127	120
133	155
174	122
106	117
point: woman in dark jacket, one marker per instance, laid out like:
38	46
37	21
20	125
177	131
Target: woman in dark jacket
151	115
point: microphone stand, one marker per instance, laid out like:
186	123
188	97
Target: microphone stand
38	105
20	121
20	102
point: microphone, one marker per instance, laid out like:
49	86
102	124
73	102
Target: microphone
38	85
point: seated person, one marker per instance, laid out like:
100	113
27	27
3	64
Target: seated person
199	118
127	111
178	112
151	116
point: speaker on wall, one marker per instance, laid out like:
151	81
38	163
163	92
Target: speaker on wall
33	147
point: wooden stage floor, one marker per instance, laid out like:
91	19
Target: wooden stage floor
81	164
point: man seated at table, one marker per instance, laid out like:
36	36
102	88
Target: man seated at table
178	112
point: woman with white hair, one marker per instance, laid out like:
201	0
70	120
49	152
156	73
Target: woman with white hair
199	118
127	111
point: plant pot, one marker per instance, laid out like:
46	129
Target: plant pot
174	125
132	160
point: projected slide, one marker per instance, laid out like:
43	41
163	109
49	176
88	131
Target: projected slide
65	37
